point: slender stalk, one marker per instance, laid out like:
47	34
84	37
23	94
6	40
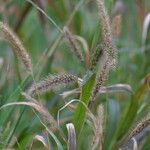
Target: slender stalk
22	17
15	127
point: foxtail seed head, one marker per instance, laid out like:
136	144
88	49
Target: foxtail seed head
73	45
51	82
139	128
101	79
138	133
17	46
110	49
98	52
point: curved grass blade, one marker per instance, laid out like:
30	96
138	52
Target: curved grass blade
116	88
71	136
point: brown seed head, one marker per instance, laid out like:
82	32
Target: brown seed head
110	49
51	82
16	44
74	46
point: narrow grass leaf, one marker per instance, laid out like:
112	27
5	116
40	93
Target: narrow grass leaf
45	14
80	112
113	111
59	145
14	95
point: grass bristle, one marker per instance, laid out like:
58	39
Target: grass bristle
17	45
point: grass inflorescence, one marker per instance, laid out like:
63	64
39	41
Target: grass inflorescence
51	82
17	45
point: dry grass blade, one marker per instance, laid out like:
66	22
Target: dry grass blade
118	8
135	145
34	105
140	10
51	82
71	136
116	25
74	46
41	139
1	62
18	48
116	88
145	30
71	92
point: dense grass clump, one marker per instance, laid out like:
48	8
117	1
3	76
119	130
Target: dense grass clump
83	81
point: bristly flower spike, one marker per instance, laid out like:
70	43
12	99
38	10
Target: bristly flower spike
107	40
17	45
138	133
101	79
51	82
73	44
108	49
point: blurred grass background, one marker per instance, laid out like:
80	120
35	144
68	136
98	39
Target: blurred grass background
39	36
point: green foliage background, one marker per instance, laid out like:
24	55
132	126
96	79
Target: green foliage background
39	36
